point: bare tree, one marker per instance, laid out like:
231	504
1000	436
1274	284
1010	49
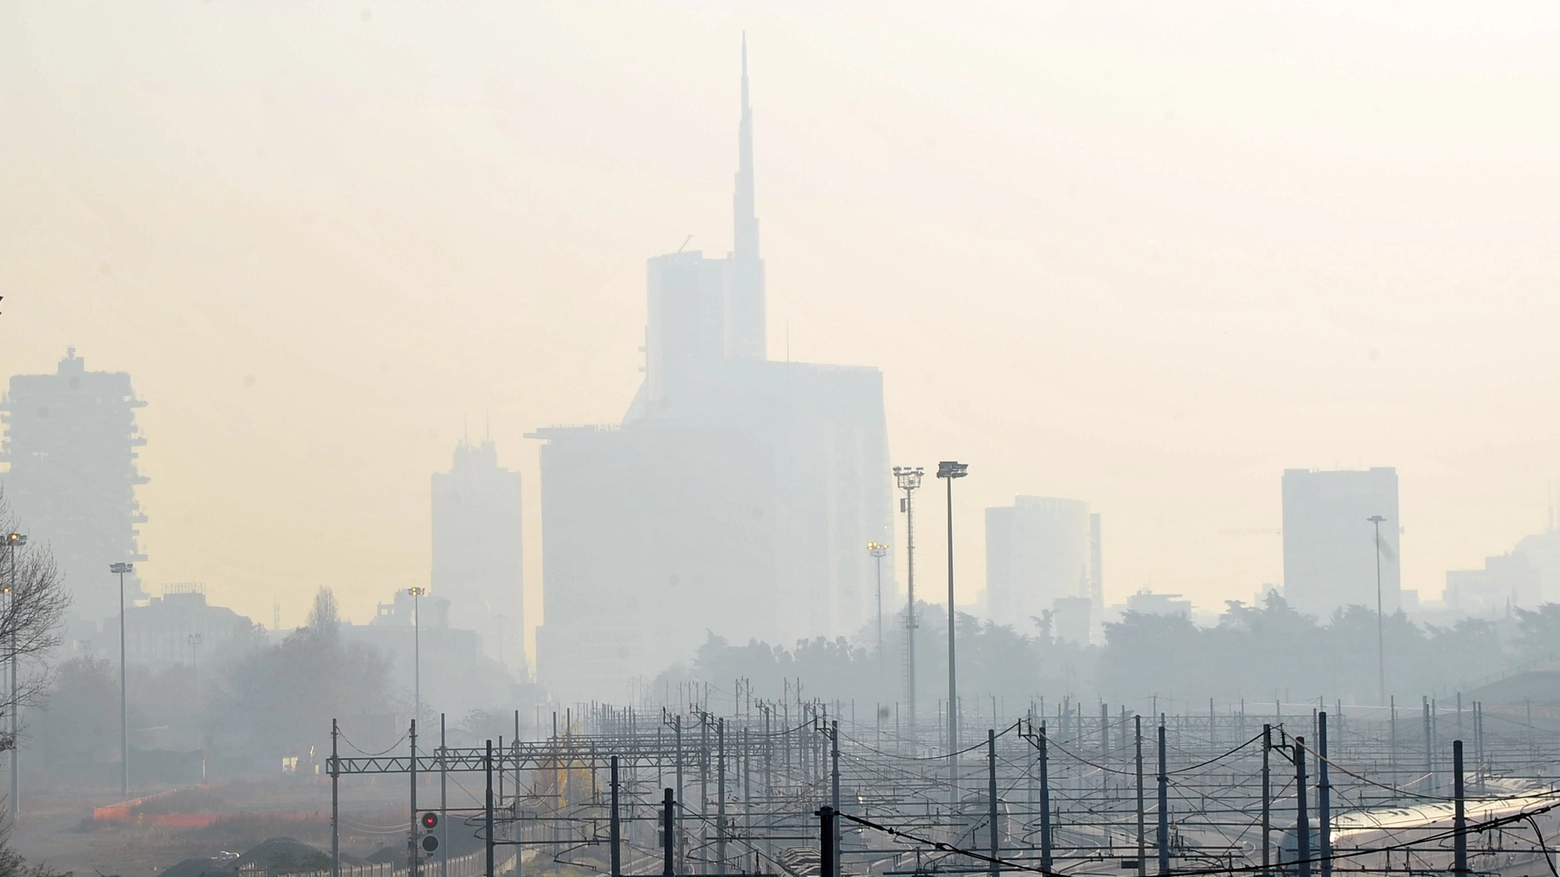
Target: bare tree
31	613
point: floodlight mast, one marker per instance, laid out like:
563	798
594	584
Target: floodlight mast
909	479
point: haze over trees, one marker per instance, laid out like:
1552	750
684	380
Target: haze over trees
282	697
1259	653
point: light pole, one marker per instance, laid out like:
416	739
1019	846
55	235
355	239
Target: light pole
120	569
879	550
1381	649
416	650
908	480
14	541
194	641
949	470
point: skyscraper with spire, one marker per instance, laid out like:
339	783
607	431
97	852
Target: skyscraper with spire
745	305
736	497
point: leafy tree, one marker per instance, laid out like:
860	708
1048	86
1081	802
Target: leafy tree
283	697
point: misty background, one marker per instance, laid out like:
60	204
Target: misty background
1149	255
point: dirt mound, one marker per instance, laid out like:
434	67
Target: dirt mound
281	855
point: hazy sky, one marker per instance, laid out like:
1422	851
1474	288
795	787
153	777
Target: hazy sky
1147	255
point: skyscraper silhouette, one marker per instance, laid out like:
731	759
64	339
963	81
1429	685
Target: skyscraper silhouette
737	496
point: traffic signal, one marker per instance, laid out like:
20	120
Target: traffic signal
430	841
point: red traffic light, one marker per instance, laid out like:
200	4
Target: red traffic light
430	821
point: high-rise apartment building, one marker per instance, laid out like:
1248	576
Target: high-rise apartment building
1039	550
736	497
477	557
71	441
1330	552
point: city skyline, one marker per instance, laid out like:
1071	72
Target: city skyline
1185	379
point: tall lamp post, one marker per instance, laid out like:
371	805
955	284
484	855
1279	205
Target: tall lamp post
1381	649
909	479
121	569
879	550
416	594
194	641
949	470
14	541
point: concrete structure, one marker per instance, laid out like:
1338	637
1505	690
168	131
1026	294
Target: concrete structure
158	631
1072	620
1507	582
1040	550
1542	551
1150	603
736	497
456	676
71	441
1329	545
477	551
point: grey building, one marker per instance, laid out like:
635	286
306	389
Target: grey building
1039	550
736	497
477	559
71	441
1329	543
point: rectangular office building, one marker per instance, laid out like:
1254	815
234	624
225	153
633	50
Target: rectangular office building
1330	552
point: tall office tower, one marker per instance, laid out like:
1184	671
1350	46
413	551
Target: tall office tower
736	497
1330	553
477	551
71	442
1039	550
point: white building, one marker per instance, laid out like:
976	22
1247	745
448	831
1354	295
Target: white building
1330	554
1040	550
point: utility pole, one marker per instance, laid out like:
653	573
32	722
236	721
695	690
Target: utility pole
909	480
1323	797
1045	802
487	764
121	569
991	800
1381	648
413	862
834	777
1459	814
668	834
1302	823
1267	797
614	826
335	803
1162	838
1142	847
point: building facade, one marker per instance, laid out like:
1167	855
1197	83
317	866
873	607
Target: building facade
71	441
1039	550
477	551
1330	551
736	497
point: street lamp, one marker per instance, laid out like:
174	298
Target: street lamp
416	594
879	550
1381	649
194	641
949	470
909	479
121	569
14	541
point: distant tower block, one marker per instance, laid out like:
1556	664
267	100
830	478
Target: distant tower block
71	441
1329	543
477	550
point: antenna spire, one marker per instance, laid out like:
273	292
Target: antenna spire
743	209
